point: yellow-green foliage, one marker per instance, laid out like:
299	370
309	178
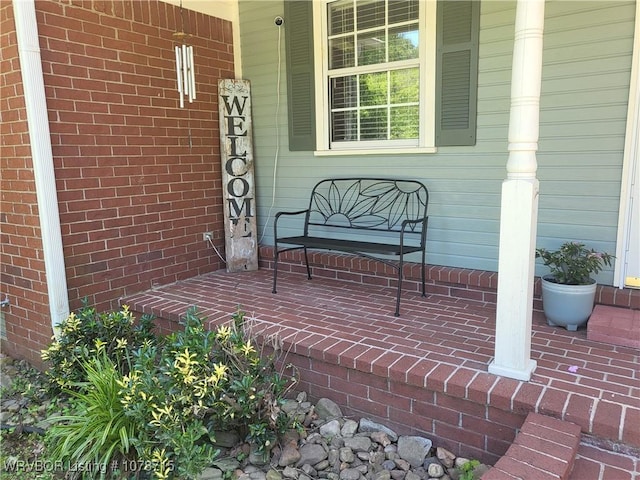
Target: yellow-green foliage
171	394
85	333
199	382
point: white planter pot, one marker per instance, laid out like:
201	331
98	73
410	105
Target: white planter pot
568	306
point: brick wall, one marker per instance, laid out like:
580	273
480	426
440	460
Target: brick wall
22	277
467	426
138	178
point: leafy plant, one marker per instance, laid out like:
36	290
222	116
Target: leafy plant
197	382
81	335
97	435
467	469
154	404
573	263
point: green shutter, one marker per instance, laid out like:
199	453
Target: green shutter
458	33
300	77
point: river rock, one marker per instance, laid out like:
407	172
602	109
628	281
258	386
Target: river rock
414	449
312	454
367	425
327	409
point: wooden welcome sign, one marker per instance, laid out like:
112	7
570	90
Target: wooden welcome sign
238	185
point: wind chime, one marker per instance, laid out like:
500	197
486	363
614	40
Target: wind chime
184	64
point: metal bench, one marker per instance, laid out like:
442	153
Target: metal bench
364	216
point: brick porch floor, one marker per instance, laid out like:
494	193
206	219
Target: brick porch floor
441	343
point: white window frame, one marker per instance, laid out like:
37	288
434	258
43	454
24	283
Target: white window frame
427	74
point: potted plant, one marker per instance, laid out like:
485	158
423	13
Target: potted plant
568	291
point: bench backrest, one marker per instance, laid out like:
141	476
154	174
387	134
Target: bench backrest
368	205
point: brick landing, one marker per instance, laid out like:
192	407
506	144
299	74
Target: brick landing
617	326
426	371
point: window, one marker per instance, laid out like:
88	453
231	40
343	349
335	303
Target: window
373	61
366	75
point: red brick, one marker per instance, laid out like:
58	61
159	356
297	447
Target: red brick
399	369
527	397
365	361
457	434
553	402
553	467
585	468
387	398
478	390
631	426
364	405
418	374
438	376
607	457
461	405
381	365
488	428
562	433
501	394
458	382
348	357
606	421
348	388
579	410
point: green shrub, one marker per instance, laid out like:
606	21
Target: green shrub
199	382
157	403
86	332
97	435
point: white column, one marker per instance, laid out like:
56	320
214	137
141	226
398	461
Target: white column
519	209
42	157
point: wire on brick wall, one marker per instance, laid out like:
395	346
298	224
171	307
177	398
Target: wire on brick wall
216	250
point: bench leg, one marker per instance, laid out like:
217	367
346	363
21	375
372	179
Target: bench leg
424	292
400	267
306	260
275	268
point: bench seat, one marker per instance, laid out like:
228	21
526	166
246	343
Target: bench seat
349	246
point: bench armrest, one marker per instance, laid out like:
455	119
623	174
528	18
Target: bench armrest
277	217
291	213
406	223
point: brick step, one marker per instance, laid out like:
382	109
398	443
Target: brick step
598	462
545	448
615	326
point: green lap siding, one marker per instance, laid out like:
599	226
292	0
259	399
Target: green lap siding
586	73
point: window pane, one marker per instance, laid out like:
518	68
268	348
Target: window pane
403	42
402	11
372	100
340	17
373	124
344	92
341	52
344	126
373	89
371	48
404	122
405	86
370	14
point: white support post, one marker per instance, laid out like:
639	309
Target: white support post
519	209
